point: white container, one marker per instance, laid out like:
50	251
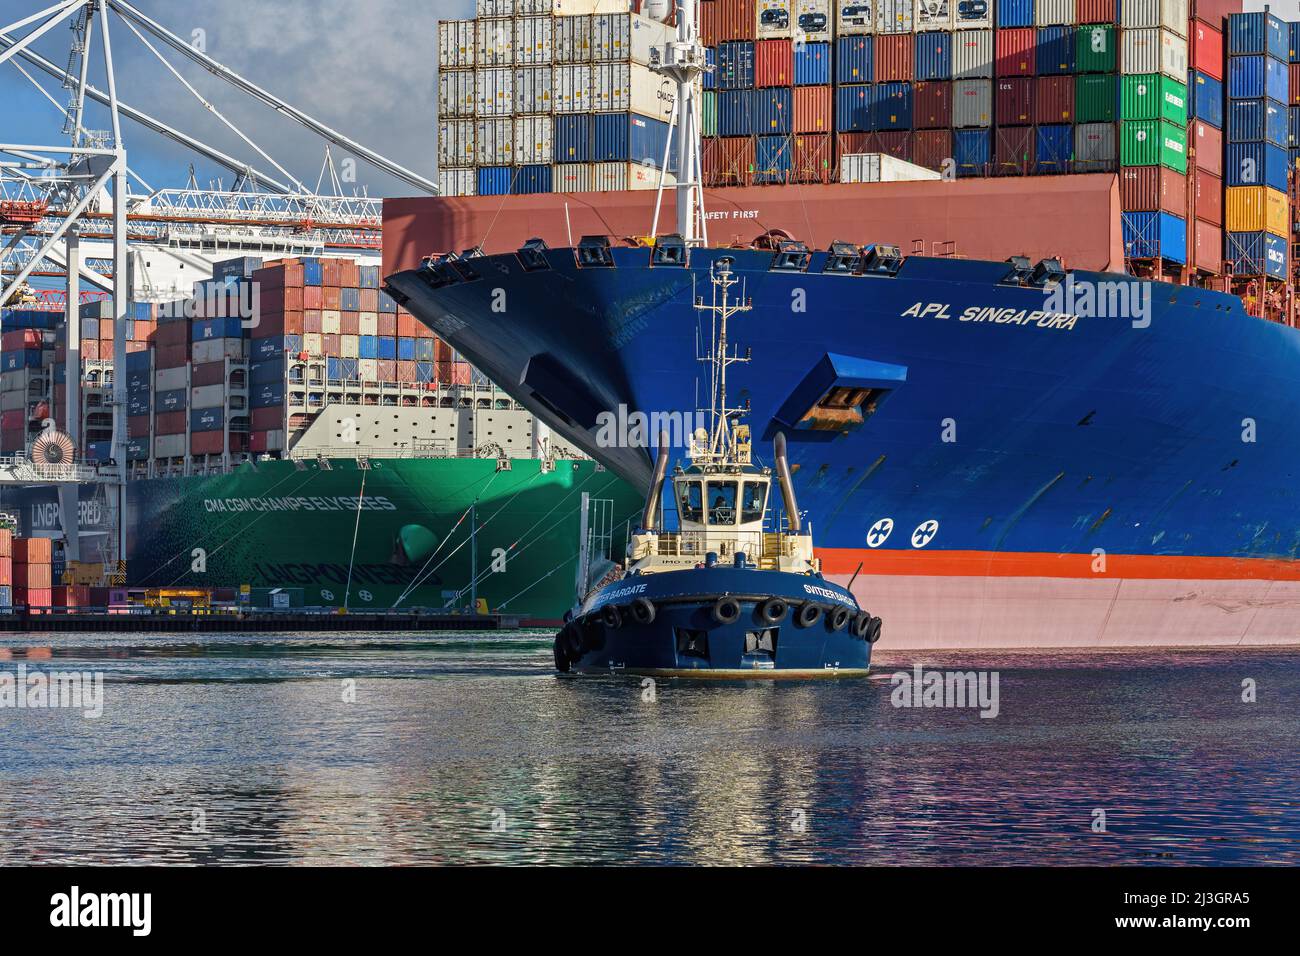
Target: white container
494	8
814	20
972	15
585	8
571	88
368	322
774	19
456	43
894	16
937	14
1155	50
571	39
494	92
534	141
533	40
350	346
13	401
494	142
533	89
331	321
534	8
455	182
972	55
1053	13
217	350
571	178
630	86
169	446
368	369
881	168
275	440
972	103
1140	14
855	17
456	142
494	43
208	396
455	93
1094	146
312	343
617	177
170	379
625	38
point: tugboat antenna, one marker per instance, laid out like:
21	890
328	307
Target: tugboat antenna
721	445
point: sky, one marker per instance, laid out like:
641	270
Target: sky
366	68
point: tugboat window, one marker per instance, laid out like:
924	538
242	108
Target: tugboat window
722	502
692	504
751	508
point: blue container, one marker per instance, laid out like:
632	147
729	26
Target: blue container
1293	127
207	419
1205	99
99	450
137	403
1255	121
406	349
1254	254
204	329
710	77
773	159
1256	164
629	137
267	395
1155	235
1294	42
853	60
773	111
424	371
1055	53
173	400
387	348
342	369
494	180
137	449
572	135
242	268
368	346
1015	13
311	271
736	65
386	302
1255	76
1258	33
139	361
21	359
267	370
424	350
350	300
533	179
933	56
891	106
812	64
264	350
369	277
136	380
972	151
853	108
1053	148
6	595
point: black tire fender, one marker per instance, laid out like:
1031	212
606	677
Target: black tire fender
643	611
561	653
612	616
838	618
773	610
861	623
873	630
726	610
808	614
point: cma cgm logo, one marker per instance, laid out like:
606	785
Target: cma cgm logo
89	513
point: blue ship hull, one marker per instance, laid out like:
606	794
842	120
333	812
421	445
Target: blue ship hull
1027	475
684	637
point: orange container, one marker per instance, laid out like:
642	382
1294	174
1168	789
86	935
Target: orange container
33	550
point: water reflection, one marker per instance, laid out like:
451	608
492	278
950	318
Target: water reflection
458	750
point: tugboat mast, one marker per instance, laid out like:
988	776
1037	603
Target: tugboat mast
722	445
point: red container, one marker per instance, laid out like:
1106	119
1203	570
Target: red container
851	143
33	575
1207	249
258	442
12	420
896	143
735	20
1095	11
1213	12
893	56
709	22
1208	197
932	105
1012	99
406	371
406	325
207	443
1013	51
813	109
349	323
267	419
311	297
1206	51
812	159
1293	83
1053	99
1013	151
33	597
331	272
169	423
71	595
331	297
387	370
171	356
20	339
349	274
6	571
137	426
208	373
369	299
90	349
387	324
33	550
333	344
311	321
1152	189
1206	145
774	63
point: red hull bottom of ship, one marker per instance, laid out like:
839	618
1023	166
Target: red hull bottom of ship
971	600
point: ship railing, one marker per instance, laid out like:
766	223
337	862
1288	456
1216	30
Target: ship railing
756	545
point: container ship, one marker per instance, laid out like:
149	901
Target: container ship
1040	394
291	430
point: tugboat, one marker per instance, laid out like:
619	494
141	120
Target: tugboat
731	593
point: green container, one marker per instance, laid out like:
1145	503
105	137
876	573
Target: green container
1095	97
709	114
1150	96
1095	46
1153	143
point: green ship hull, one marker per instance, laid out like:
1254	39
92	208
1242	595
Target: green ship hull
429	533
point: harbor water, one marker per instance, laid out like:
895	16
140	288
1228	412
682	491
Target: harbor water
338	749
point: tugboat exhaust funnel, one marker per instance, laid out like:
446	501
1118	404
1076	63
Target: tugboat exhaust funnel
787	486
649	519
